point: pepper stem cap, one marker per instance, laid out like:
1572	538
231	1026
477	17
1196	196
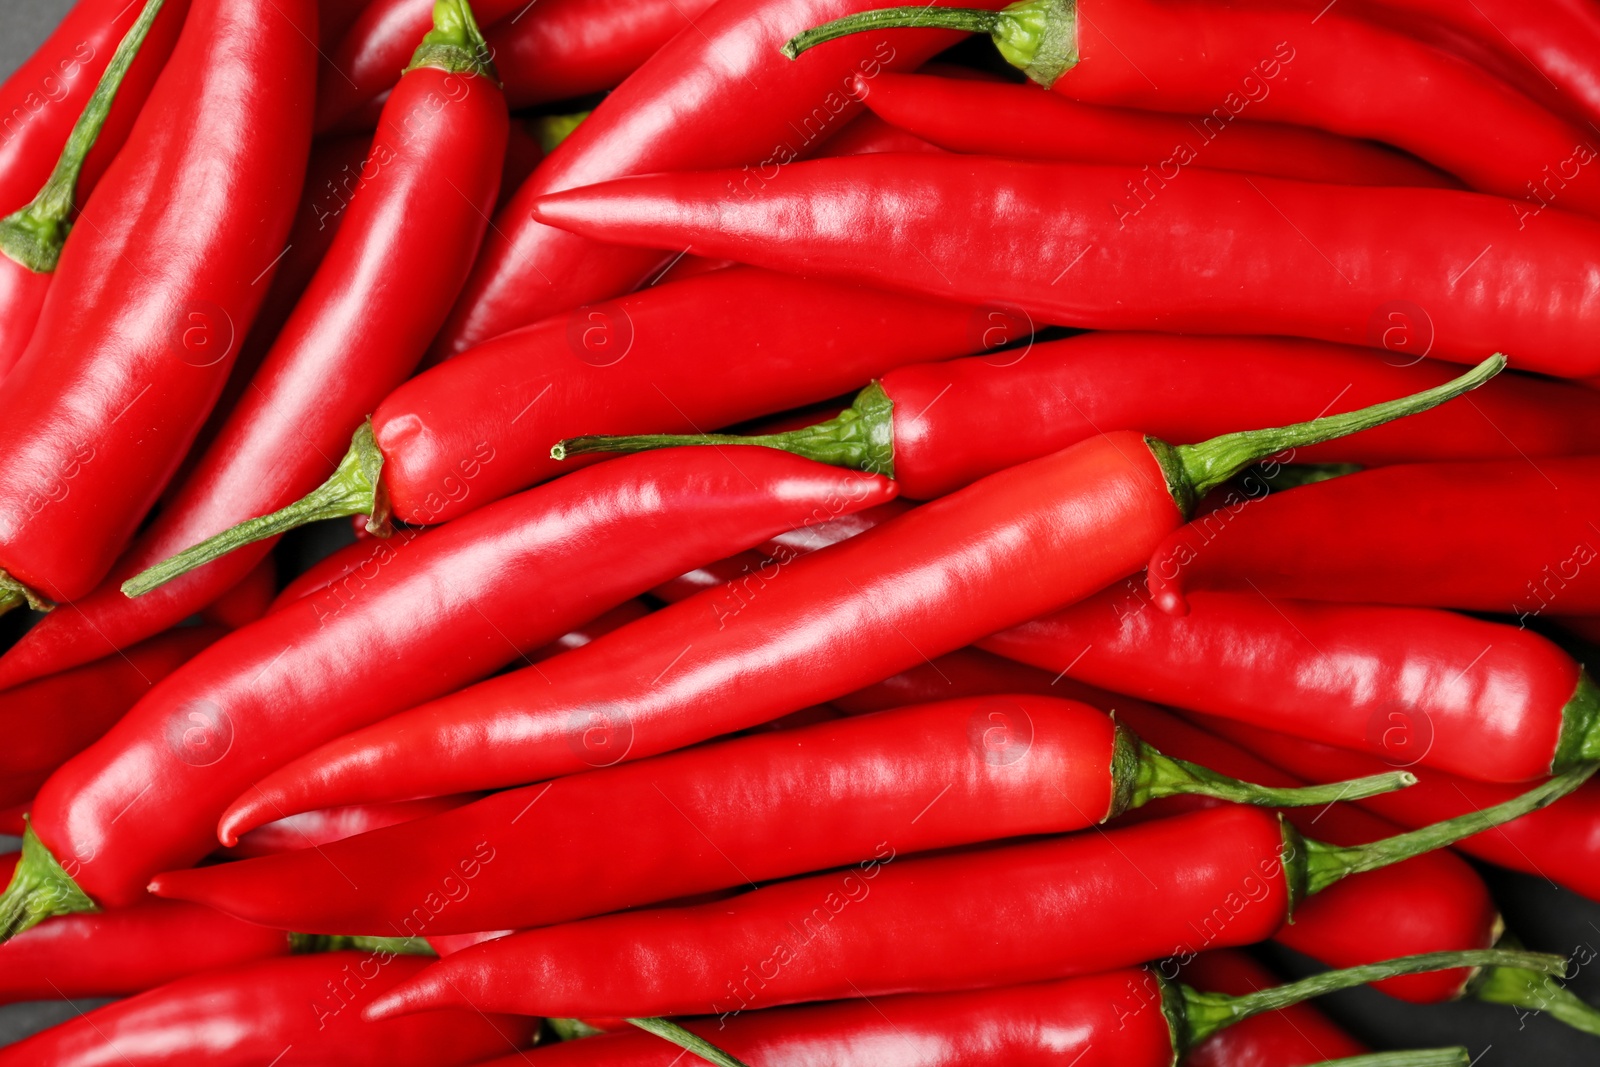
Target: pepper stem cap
455	43
40	889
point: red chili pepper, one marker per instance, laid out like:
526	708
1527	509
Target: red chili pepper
866	134
1464	695
314	829
1516	537
460	436
299	1010
1125	1018
931	426
1023	123
1339	263
721	96
31	237
50	720
42	99
523	154
1056	908
138	329
1328	72
995	554
1290	1037
247	601
384	286
1561	843
765	806
146	797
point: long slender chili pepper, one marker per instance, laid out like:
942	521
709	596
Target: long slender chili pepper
50	720
1125	1018
402	250
932	426
1012	120
42	99
313	829
997	553
140	324
1339	74
1475	698
721	96
334	18
1511	537
1072	905
497	582
765	806
31	237
1339	263
479	428
299	1010
1561	843
1289	1037
247	600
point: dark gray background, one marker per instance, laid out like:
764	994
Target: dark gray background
1544	916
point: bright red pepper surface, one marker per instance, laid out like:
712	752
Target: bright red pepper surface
145	798
1214	252
314	829
154	292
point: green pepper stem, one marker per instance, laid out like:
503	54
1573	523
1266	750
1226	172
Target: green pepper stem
40	889
551	130
455	43
1159	775
301	944
1534	992
572	1029
1203	1014
861	437
33	235
1414	1057
1192	471
355	488
1038	37
1580	727
13	594
1326	864
694	1043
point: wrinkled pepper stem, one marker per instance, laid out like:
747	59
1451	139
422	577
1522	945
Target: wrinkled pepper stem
690	1042
1415	1057
39	889
455	43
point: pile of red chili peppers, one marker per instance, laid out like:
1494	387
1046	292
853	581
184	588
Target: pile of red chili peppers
1110	523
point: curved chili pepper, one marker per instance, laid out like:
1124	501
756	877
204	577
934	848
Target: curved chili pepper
1136	1017
866	134
1471	697
139	327
299	1010
722	96
248	600
932	426
50	720
43	98
31	237
459	436
1001	916
1339	74
497	582
995	554
1022	123
1560	843
1515	537
412	230
1000	766
334	18
1290	1037
1339	263
313	829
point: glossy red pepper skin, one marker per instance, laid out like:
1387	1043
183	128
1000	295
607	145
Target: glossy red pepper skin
766	806
1293	1037
384	286
43	97
302	1010
1511	537
1560	843
576	47
249	598
1434	902
142	319
497	582
699	668
1464	695
22	293
1023	123
50	720
760	342
1088	1022
723	96
1003	916
1342	74
314	829
1005	232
